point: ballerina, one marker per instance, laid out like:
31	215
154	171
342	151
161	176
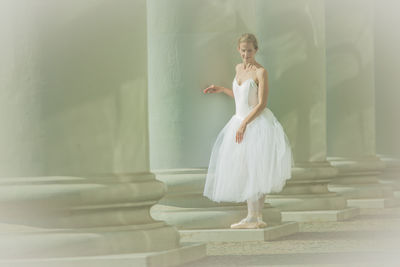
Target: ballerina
251	156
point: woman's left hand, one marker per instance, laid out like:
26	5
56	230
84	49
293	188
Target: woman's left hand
240	132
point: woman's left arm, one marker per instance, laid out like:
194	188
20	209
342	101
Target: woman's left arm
262	77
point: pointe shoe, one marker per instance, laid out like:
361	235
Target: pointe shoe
261	223
243	224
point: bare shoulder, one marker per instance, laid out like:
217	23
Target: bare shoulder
237	67
261	73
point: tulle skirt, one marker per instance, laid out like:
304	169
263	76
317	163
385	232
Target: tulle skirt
260	164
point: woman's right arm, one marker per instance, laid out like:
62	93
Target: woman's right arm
218	89
228	92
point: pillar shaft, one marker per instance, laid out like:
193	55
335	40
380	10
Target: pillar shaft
387	95
187	42
293	38
351	102
350	78
58	104
75	178
292	43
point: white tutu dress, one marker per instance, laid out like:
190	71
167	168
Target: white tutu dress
260	164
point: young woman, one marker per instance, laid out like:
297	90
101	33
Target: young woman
251	156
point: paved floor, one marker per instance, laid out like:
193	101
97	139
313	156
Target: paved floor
372	239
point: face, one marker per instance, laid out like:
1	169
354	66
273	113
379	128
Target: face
247	51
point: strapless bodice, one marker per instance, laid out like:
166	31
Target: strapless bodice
246	96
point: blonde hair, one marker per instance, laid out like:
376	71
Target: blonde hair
248	38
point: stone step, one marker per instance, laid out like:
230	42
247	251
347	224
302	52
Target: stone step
237	235
320	215
362	190
372	203
300	202
209	217
188	252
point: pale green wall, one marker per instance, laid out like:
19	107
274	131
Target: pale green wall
193	44
73	96
387	78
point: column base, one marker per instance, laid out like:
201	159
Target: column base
238	235
306	196
188	252
390	183
302	202
358	182
60	219
373	190
320	215
396	195
391	174
366	196
374	203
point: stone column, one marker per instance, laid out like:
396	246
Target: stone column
75	186
292	36
191	45
387	94
351	104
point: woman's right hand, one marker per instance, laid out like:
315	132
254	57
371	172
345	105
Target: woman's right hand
213	89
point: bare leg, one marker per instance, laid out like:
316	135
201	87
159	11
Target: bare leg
261	206
252	210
